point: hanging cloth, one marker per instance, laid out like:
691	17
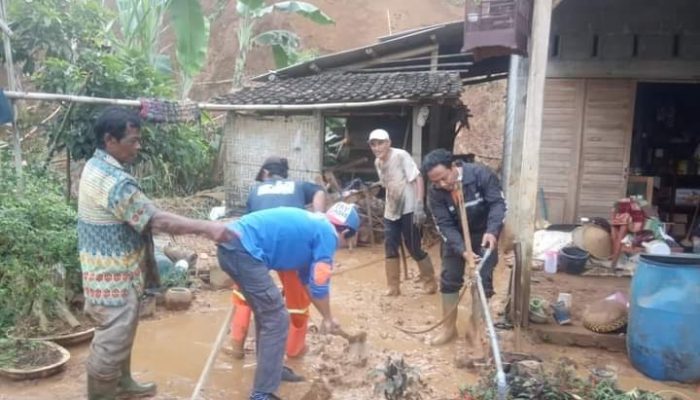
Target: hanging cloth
169	111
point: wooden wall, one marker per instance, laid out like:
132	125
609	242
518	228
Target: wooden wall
585	147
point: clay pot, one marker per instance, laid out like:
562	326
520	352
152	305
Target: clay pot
178	298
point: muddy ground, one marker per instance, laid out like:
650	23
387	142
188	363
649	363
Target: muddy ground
172	347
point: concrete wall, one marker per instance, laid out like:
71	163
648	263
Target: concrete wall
250	139
656	39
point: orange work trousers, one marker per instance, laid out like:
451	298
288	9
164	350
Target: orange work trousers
297	301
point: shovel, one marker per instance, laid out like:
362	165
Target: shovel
473	332
357	345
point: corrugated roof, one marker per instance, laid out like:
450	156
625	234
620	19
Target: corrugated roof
347	87
442	34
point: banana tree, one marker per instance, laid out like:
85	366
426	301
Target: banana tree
284	44
142	24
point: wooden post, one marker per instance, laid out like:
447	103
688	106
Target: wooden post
416	137
530	147
514	125
434	60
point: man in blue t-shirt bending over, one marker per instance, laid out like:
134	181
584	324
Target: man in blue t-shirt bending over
284	239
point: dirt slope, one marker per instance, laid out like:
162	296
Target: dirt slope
358	22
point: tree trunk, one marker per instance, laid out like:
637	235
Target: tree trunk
66	315
38	311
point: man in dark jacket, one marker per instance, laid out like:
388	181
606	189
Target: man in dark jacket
486	208
274	189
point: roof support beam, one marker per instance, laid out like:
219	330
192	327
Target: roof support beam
392	57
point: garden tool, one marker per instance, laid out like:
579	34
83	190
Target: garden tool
357	343
473	328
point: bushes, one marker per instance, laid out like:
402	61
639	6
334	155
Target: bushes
38	245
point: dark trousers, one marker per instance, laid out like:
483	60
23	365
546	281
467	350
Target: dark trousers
271	317
452	275
403	227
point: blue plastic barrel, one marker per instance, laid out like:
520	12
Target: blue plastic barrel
663	334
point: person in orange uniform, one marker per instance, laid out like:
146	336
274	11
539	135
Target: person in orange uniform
274	189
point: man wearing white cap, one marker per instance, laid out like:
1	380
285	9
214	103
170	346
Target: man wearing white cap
404	211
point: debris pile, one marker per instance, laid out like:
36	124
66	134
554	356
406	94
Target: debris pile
530	379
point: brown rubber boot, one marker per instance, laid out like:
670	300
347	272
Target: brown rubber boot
393	276
449	309
427	272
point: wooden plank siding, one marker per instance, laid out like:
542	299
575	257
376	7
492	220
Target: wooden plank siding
606	141
586	138
560	146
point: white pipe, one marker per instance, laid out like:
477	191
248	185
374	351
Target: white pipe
500	375
206	106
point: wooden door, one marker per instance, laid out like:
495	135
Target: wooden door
560	147
605	145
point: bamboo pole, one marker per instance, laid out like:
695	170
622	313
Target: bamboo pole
205	106
12	84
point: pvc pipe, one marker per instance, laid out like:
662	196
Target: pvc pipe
500	375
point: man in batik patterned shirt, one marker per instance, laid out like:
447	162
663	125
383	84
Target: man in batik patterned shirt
114	217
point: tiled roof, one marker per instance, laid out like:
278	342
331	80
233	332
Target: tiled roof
347	87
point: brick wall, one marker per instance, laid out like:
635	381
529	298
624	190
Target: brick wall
250	139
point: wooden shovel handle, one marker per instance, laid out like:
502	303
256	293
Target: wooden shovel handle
465	230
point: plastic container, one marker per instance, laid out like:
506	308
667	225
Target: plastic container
566	298
550	262
664	318
573	260
657	247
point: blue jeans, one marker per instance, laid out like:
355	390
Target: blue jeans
271	317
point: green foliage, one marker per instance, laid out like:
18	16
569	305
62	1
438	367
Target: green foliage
306	10
180	165
55	29
285	45
141	22
192	36
142	25
97	73
37	233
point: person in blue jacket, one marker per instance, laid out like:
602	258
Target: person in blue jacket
283	239
274	189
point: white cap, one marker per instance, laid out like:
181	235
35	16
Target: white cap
378	134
